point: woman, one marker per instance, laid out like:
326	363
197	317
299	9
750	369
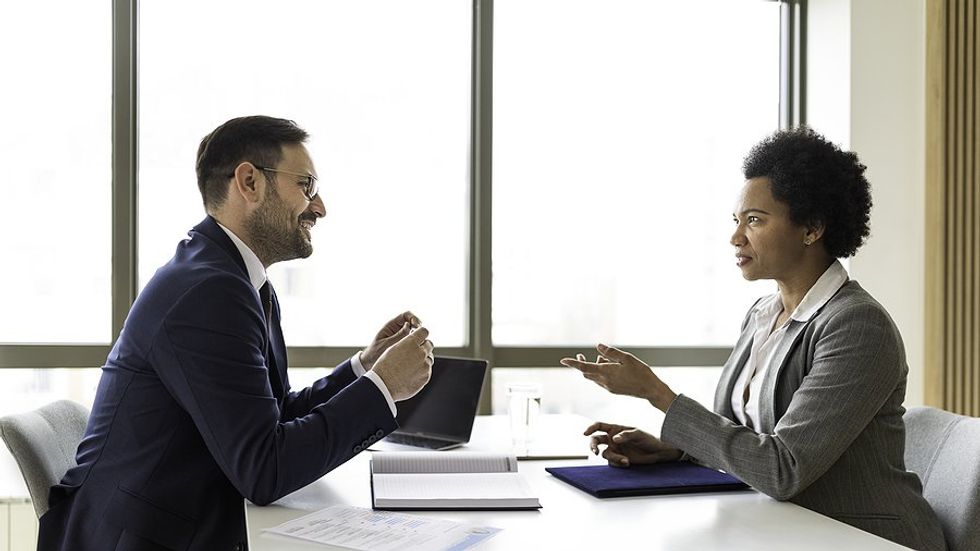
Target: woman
809	405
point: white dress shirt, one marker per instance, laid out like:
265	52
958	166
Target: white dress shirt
258	277
766	339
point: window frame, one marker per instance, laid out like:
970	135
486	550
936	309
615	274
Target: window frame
479	344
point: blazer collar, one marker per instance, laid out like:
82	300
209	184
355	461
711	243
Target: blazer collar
210	229
824	289
256	271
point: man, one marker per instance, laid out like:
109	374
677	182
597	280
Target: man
194	409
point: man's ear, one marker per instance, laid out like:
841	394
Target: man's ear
247	183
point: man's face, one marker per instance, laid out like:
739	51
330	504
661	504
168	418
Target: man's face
281	226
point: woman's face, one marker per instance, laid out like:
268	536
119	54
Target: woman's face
768	245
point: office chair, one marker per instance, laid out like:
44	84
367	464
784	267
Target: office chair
43	442
942	448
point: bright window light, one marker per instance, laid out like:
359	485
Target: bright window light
619	132
384	89
55	149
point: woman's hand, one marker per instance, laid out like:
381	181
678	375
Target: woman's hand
623	373
627	446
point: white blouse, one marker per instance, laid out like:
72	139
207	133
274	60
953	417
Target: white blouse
749	382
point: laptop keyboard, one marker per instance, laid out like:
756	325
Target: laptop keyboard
419	441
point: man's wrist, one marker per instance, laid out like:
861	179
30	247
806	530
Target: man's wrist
366	360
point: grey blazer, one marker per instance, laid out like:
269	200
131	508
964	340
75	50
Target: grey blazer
831	436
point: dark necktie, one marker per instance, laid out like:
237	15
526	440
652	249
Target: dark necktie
266	295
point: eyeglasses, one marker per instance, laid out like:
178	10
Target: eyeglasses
310	187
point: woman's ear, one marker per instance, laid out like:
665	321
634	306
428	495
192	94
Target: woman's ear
247	184
813	233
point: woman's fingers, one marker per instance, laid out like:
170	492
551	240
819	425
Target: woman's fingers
611	428
596	440
630	435
612	353
583	366
615	458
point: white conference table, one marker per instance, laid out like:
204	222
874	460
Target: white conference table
572	519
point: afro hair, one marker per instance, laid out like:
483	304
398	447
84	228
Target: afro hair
820	183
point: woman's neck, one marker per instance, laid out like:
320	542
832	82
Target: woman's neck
793	288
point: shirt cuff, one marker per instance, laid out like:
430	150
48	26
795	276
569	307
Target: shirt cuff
376	379
356	366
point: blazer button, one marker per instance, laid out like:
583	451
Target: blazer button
357	449
373	439
365	444
379	433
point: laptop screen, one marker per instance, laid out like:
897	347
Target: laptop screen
446	406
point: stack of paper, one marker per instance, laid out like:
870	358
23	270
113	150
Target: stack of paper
448	480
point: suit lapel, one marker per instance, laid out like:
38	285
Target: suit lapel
275	352
729	374
780	357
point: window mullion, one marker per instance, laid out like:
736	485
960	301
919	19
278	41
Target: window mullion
124	87
481	193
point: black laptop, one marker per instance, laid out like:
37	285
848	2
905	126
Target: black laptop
441	415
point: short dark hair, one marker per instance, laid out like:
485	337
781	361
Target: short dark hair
257	139
819	182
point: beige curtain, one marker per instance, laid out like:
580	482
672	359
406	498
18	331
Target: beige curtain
952	206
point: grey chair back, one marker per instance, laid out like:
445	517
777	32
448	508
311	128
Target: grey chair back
944	450
43	442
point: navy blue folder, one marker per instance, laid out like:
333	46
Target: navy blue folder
644	480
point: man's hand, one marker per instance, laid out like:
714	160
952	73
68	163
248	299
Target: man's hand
620	372
627	446
392	332
406	365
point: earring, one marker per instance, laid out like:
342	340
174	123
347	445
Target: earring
806	242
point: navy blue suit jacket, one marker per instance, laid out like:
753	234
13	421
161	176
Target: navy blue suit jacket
194	411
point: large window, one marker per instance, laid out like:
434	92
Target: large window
383	87
619	130
594	145
55	58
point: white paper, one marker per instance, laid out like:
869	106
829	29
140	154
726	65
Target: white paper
364	529
452	486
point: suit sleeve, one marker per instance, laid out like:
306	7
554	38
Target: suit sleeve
302	402
856	365
208	353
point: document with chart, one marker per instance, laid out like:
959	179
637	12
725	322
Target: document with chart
364	529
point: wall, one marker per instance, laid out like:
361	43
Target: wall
866	91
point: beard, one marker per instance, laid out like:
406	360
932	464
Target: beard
272	238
